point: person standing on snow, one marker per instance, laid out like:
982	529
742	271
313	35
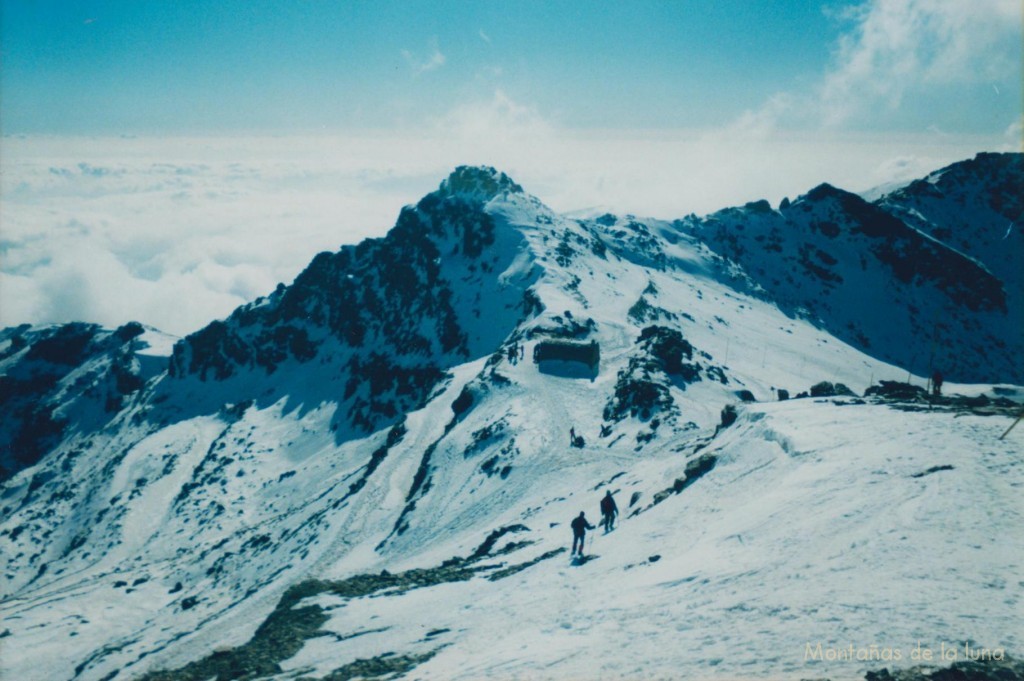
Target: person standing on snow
608	512
579	533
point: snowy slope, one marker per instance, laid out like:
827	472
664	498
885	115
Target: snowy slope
877	282
370	418
976	207
60	382
807	530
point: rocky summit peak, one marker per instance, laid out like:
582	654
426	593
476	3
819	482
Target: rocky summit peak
481	182
825	191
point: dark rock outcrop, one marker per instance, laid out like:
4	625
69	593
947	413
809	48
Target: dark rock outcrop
386	317
53	380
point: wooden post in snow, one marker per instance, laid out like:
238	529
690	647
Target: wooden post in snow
1019	417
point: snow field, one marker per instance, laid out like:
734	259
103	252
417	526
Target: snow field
793	538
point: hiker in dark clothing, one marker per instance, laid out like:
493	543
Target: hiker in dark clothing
937	383
579	532
572	436
608	512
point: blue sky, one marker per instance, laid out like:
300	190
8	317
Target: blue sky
290	65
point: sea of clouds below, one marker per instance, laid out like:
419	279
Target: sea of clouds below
176	232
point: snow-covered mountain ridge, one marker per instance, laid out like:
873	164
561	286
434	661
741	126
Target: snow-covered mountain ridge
888	287
228	511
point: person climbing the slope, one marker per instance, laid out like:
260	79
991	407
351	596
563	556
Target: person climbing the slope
579	533
937	383
608	512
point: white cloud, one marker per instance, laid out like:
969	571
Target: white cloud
434	60
483	36
1014	135
765	120
494	121
895	51
897	46
176	232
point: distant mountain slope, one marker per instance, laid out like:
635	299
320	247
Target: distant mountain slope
891	287
67	381
977	208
